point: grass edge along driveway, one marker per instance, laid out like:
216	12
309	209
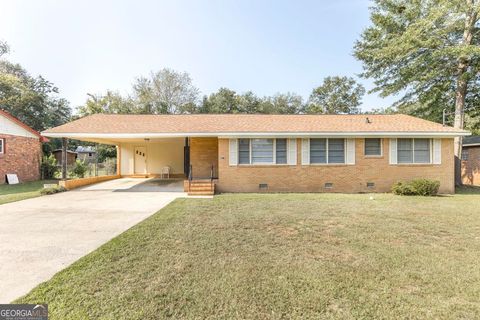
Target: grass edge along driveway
22	191
273	256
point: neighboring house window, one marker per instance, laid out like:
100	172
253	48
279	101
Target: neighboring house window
89	154
373	147
413	150
2	146
327	150
465	154
262	151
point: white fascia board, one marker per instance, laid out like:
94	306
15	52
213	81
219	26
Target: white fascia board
255	134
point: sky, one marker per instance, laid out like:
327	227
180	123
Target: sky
264	46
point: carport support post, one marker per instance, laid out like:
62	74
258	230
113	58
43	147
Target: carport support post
64	158
119	160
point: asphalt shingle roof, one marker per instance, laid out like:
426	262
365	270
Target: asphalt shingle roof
227	123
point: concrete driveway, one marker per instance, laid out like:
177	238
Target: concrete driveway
41	236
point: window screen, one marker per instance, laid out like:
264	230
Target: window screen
262	150
281	151
336	150
243	151
421	151
373	147
318	150
414	150
2	146
405	150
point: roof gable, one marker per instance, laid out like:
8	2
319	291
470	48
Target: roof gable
12	126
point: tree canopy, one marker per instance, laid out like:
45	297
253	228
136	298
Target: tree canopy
427	52
33	100
341	95
165	91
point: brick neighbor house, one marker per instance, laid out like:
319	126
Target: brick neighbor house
276	153
471	161
20	149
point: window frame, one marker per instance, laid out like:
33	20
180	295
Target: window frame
327	145
372	155
274	157
430	149
2	142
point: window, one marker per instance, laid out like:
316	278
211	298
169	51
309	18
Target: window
318	150
243	151
327	151
464	154
262	151
336	150
413	150
373	147
2	146
281	151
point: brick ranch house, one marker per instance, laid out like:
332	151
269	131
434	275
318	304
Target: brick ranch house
471	161
20	149
277	153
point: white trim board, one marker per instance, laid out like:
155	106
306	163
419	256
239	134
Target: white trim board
231	135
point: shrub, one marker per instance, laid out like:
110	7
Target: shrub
49	167
79	169
417	187
52	190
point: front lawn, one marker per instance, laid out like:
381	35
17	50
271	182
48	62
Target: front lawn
22	191
302	256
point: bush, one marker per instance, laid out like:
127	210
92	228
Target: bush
79	169
52	190
49	167
417	187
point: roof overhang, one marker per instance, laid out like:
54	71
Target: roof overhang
112	137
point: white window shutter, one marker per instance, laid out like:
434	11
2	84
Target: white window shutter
305	151
437	151
350	151
393	151
233	152
292	152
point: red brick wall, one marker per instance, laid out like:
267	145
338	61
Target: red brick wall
471	167
345	178
22	156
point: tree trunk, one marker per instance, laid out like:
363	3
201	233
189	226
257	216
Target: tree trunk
462	86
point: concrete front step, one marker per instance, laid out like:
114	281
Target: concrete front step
200	193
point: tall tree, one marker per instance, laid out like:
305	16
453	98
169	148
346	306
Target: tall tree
427	51
33	100
336	95
166	91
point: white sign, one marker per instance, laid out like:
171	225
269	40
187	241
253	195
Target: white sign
12	178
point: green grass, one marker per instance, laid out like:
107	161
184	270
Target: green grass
296	256
22	191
